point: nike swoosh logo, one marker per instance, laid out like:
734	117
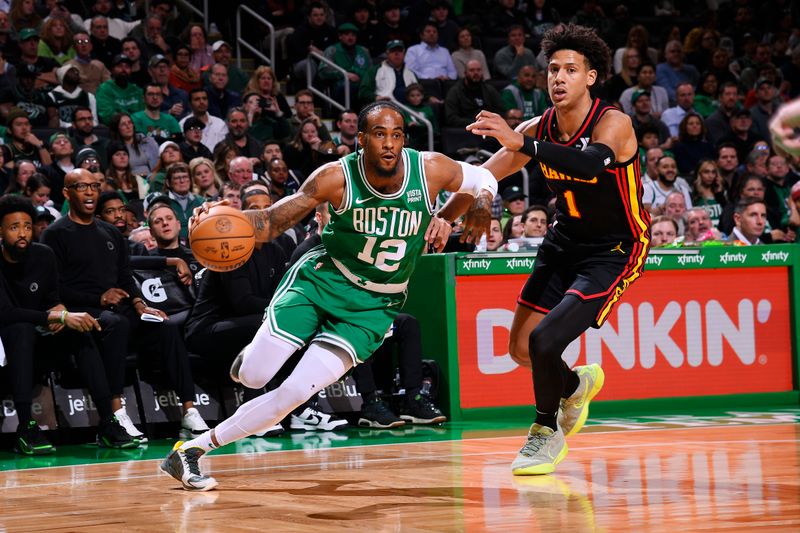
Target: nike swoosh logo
360	201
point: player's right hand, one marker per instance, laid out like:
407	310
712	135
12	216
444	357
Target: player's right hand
202	210
784	129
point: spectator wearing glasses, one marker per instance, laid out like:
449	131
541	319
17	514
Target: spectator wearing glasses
304	109
178	186
104	46
215	128
92	72
83	133
152	122
192	145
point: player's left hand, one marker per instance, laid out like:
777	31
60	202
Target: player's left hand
438	232
493	125
202	210
478	220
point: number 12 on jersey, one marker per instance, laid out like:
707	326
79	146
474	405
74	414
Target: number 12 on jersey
569	197
389	256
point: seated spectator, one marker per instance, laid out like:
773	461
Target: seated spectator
347	126
168	153
655	193
510	58
469	96
778	185
87	158
728	165
240	170
151	122
767	102
428	60
513	202
281	183
223	154
351	57
142	151
34	323
675	208
644	122
152	36
542	16
44	67
705	97
220	99
237	79
23	15
416	408
393	75
613	87
709	190
37	188
144	237
264	119
23	170
178	185
465	52
202	54
264	84
699	227
748	187
391	27
663	231
741	136
192	145
24	144
68	97
118	27
110	208
120	177
503	16
645	81
638	38
750	219
119	95
718	122
673	71
175	101
299	152
304	109
534	220
514	228
96	278
140	74
181	74
27	97
691	146
523	94
312	35
61	151
493	240
206	184
56	41
684	105
215	128
231	192
448	29
104	47
83	132
239	136
416	131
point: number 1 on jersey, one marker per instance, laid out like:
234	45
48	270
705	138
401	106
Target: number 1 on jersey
569	196
388	259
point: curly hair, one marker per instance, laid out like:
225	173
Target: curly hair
583	40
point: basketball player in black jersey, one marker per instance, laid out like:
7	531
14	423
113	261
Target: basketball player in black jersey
594	250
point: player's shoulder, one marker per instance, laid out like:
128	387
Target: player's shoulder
529	126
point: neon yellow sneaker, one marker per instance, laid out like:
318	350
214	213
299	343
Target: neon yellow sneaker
182	464
544	449
575	409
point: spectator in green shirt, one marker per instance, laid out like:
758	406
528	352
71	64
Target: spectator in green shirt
351	57
151	122
118	95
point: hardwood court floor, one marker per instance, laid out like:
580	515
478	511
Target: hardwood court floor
618	476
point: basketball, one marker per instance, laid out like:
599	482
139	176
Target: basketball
223	239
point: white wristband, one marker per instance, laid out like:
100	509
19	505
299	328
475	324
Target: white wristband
476	179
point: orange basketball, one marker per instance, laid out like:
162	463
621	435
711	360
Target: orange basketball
223	239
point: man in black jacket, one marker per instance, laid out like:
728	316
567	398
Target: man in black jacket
34	322
94	265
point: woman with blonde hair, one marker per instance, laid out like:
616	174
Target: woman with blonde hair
206	183
625	78
224	152
709	190
56	41
263	83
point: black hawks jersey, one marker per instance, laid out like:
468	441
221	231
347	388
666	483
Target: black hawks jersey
607	207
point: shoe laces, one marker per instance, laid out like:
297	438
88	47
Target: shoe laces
191	458
536	441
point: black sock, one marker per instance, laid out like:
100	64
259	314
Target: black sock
546	419
104	408
23	413
571	381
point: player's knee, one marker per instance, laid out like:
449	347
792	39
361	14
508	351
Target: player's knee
252	375
540	343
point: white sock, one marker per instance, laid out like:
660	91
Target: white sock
203	442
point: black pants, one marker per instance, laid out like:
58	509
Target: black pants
156	342
225	339
378	368
22	343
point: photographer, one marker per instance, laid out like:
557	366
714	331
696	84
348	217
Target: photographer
265	118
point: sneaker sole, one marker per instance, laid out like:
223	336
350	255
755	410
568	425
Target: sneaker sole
166	467
366	423
544	468
424	421
598	384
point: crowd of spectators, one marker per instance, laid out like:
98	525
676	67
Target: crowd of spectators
118	119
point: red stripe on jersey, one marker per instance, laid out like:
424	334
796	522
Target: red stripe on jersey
585	125
629	269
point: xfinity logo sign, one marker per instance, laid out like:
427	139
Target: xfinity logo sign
644	331
728	257
482	264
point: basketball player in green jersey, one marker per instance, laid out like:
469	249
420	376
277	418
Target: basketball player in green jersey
341	297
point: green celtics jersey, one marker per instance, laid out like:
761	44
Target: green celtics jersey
375	239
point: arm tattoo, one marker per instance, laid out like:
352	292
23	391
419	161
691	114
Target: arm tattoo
271	222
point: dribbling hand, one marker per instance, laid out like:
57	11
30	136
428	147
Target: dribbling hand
478	220
201	211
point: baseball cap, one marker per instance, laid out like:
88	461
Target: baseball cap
120	58
513	193
347	26
762	81
27	33
742	112
395	43
165	145
219	44
155	198
42	213
55	136
14	113
157	60
638	94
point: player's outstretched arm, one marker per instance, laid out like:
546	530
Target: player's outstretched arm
326	184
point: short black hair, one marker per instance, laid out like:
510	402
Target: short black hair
583	40
104	198
369	108
16	203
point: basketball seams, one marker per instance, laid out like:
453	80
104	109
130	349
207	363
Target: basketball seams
209	243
